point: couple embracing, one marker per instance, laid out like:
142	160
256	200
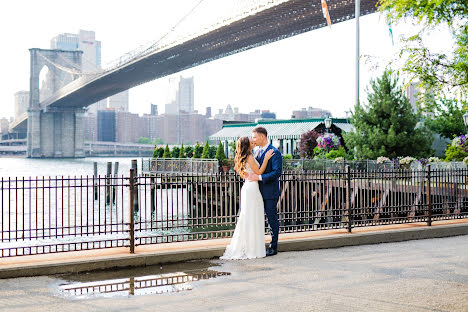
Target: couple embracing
259	196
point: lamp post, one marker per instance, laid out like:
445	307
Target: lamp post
328	123
465	119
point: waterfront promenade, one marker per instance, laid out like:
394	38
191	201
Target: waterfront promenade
419	275
114	258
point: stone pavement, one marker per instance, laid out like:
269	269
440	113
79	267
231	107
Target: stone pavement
113	258
418	275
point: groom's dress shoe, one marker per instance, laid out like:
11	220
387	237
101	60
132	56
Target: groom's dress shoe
271	252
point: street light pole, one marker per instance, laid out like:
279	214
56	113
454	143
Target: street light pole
357	13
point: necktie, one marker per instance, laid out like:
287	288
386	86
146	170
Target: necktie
260	152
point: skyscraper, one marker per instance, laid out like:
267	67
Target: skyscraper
91	61
180	97
21	103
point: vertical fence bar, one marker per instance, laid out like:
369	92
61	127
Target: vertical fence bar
428	195
348	197
131	206
136	203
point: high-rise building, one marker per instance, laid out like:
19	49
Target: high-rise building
208	112
310	112
180	96
21	103
418	95
106	125
91	61
154	110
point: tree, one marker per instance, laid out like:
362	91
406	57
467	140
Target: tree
159	152
182	152
436	71
447	117
206	150
167	152
220	156
189	152
175	152
144	140
197	151
212	152
308	143
387	126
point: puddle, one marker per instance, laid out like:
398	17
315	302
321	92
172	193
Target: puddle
136	282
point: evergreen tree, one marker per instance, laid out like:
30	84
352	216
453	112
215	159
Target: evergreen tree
155	152
197	151
212	151
188	151
206	150
182	152
175	152
387	126
220	156
167	152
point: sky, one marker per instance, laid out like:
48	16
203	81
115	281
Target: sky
313	69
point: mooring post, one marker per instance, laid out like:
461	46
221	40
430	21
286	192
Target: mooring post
131	216
108	183
136	202
95	188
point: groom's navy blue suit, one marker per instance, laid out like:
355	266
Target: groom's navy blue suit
269	187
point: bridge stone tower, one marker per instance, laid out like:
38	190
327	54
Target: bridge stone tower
54	132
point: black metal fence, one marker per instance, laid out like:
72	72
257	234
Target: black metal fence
48	215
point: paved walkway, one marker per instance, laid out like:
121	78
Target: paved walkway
176	252
418	275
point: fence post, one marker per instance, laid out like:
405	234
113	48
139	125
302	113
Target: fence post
108	183
348	197
136	202
428	195
95	179
131	210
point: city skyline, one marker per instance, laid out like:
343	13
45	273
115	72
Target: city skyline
301	71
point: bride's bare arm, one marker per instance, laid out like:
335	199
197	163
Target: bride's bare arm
254	166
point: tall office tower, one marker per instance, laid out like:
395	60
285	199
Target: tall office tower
21	103
106	126
154	110
208	112
91	61
419	96
180	96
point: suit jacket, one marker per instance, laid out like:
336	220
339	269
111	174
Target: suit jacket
269	186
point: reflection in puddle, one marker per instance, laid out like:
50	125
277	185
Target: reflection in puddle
150	284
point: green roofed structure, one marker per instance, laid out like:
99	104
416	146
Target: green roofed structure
284	134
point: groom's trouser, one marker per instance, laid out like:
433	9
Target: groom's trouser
272	216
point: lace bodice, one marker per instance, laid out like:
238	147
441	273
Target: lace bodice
248	169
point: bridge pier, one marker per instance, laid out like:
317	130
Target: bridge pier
55	133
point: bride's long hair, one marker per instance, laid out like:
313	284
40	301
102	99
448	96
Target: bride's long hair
242	152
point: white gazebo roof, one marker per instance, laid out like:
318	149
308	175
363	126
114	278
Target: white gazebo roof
277	129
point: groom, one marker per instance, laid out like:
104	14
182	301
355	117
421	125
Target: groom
268	183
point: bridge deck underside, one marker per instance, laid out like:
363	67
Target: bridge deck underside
273	24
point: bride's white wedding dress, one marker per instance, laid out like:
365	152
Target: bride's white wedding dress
248	240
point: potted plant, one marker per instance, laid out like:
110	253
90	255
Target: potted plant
226	164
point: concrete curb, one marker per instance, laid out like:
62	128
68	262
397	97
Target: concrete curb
145	259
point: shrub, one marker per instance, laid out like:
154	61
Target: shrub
336	153
287	156
182	152
167	152
220	156
308	143
206	150
175	152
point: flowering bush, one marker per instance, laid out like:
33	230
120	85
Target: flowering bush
328	141
433	159
406	160
382	159
465	160
339	160
458	150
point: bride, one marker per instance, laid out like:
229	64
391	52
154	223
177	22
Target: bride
248	240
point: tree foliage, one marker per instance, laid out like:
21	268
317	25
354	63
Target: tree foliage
446	117
189	151
387	125
182	152
167	152
308	143
175	152
197	151
220	155
206	150
436	71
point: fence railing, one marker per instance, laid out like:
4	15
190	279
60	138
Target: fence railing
179	165
48	215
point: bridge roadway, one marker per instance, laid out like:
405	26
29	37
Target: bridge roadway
272	24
